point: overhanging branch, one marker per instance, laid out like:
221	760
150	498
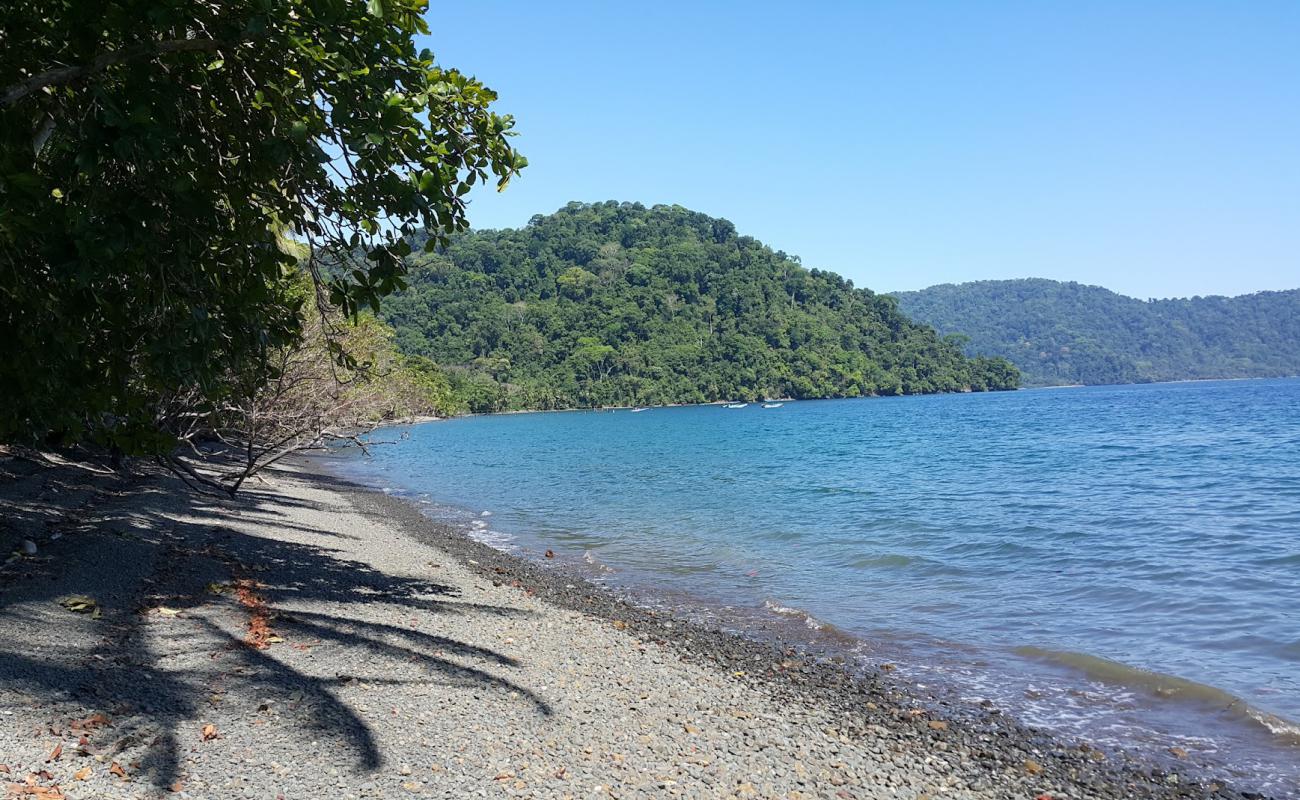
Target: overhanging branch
63	75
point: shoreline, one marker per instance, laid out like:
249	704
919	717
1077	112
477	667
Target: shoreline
315	637
419	420
869	699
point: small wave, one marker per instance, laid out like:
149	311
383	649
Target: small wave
494	539
785	611
887	560
590	558
1166	687
811	622
1284	729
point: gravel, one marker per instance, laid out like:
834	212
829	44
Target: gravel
402	659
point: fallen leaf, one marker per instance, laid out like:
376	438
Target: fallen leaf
116	769
209	732
55	753
82	774
89	723
177	787
79	603
5	769
45	775
1033	767
620	625
938	725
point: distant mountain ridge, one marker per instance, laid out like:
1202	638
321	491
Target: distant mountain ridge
1065	333
618	304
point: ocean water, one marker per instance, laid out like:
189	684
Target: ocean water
1120	564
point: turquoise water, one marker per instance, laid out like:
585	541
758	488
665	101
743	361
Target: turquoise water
1120	563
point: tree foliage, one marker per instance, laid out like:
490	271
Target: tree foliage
1068	333
609	303
158	157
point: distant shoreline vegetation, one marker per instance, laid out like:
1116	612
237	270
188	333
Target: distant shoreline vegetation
1068	333
617	304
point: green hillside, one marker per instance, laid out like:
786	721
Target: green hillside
615	303
1067	333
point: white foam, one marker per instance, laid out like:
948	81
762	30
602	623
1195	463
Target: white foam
591	559
494	539
785	611
1275	725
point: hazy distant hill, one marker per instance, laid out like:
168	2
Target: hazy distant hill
616	303
1063	333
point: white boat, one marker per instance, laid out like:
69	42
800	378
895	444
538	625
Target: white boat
736	405
638	410
773	405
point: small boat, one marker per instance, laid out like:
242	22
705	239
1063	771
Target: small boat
773	405
736	405
638	410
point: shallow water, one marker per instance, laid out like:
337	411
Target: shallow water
1119	563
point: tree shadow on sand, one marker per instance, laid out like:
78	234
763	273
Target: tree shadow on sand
145	543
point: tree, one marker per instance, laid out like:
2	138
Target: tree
158	162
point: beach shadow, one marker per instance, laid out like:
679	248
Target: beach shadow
145	543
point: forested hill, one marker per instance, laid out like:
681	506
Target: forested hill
1067	333
615	303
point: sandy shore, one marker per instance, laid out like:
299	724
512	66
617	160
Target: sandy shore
313	639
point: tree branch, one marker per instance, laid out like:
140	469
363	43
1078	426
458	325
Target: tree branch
63	75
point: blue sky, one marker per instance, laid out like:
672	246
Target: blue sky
1152	148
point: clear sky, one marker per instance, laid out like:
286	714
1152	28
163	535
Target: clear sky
1149	147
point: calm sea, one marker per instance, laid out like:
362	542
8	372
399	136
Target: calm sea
1117	563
